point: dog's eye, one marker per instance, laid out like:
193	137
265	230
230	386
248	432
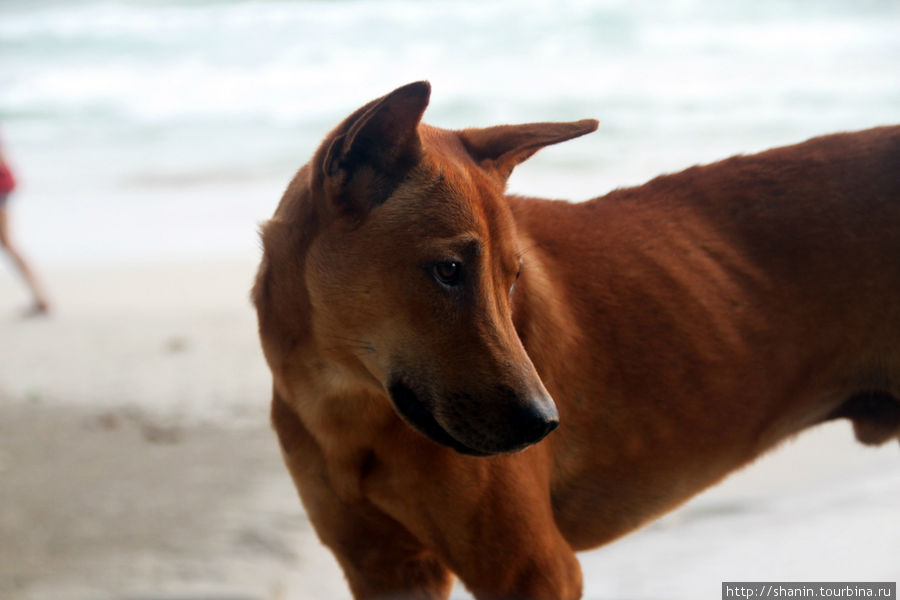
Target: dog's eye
447	273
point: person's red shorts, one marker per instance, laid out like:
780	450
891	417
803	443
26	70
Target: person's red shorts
7	182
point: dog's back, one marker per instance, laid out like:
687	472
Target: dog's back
704	316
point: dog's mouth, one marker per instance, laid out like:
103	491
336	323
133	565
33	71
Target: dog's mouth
415	413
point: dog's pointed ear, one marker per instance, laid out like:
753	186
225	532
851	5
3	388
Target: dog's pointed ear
361	163
501	148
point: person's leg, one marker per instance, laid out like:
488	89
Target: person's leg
40	300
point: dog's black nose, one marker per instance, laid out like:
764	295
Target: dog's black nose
536	419
549	425
542	427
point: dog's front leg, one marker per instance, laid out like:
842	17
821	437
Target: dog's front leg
379	557
541	570
490	520
518	555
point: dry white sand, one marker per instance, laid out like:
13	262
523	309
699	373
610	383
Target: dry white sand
136	459
136	462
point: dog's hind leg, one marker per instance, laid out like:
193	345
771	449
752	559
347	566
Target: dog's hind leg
875	416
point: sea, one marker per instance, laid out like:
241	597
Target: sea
154	130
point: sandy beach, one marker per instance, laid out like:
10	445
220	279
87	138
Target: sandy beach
136	463
135	455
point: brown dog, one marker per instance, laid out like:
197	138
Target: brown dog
423	330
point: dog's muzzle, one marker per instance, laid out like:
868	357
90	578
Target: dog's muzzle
503	421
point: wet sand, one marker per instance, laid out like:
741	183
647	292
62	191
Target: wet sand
136	457
115	504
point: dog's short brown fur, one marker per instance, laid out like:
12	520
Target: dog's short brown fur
417	323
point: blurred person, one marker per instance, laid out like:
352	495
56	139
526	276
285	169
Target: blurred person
7	185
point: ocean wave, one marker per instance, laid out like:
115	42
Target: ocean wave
106	98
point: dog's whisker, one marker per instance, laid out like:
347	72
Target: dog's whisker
343	294
356	346
356	350
352	341
523	251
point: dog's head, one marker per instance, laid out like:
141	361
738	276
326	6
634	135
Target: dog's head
390	265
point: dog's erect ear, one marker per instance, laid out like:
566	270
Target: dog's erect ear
367	156
501	148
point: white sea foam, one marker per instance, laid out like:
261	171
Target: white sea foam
97	98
